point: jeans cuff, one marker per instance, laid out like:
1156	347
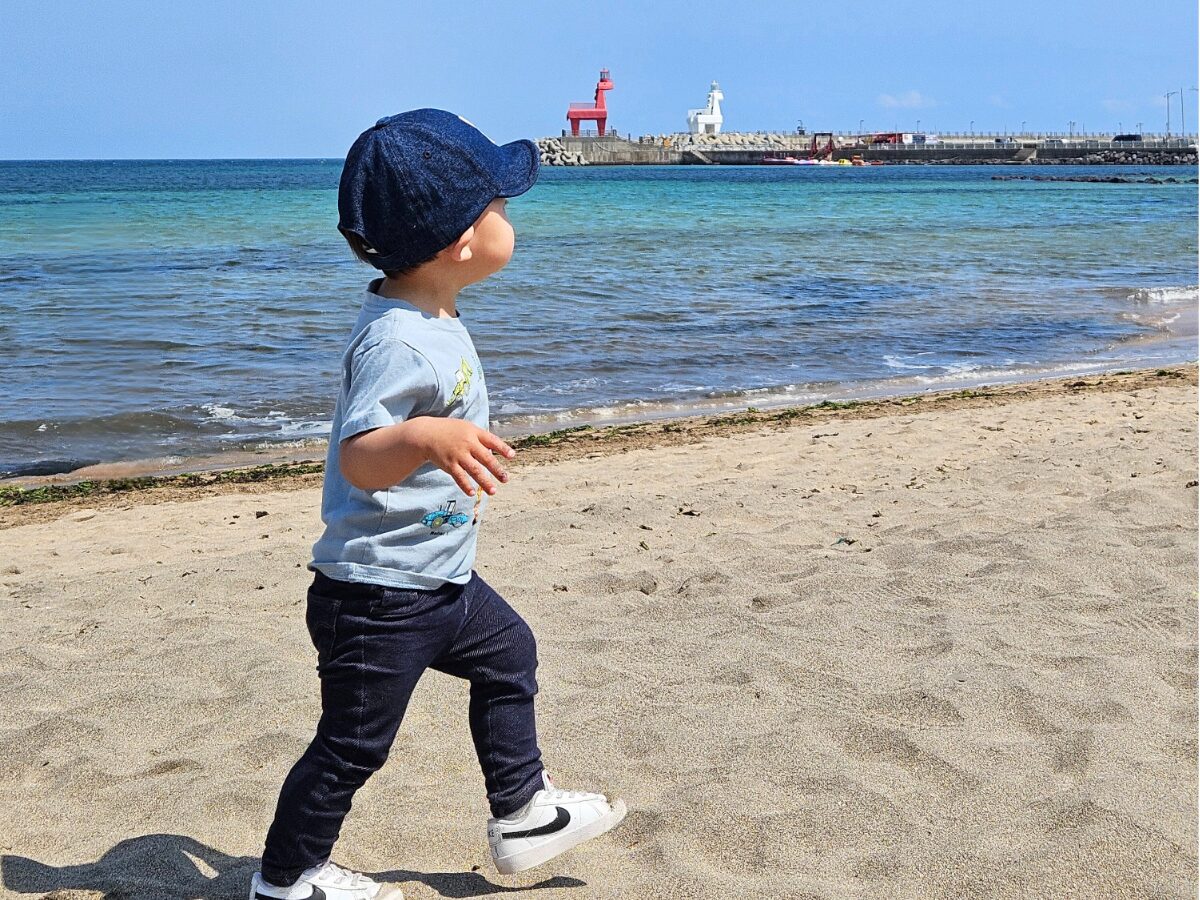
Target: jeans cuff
503	811
281	879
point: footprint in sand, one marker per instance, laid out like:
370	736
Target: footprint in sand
892	745
1071	754
917	706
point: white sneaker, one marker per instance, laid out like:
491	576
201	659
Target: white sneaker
325	882
551	823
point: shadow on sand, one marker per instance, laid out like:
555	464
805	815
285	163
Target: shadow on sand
175	867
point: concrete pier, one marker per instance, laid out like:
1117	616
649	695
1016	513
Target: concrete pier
732	148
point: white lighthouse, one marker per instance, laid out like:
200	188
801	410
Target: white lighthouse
709	119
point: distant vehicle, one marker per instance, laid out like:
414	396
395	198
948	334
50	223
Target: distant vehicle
1127	139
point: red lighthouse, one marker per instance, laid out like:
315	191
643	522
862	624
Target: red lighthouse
595	111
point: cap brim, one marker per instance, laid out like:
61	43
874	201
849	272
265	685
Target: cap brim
519	162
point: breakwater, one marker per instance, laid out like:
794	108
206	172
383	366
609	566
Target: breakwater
750	148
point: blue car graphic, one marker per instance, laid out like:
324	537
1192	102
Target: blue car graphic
445	516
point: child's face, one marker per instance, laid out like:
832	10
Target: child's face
492	245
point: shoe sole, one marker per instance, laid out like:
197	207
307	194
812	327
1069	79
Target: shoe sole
386	892
535	856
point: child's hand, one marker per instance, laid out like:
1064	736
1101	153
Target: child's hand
463	450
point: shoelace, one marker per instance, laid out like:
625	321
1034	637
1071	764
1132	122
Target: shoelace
342	877
556	794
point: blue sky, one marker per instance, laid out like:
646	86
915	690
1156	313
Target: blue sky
267	78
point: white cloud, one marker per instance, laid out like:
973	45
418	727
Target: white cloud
1117	106
907	100
999	101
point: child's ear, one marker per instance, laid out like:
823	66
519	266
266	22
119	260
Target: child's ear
460	250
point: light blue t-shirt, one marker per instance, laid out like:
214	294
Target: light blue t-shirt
402	363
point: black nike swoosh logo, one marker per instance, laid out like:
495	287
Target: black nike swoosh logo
561	819
317	894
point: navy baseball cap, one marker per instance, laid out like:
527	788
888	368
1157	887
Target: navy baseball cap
414	182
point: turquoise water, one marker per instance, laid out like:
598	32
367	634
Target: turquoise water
172	309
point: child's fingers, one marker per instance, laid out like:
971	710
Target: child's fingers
479	472
492	442
484	455
461	479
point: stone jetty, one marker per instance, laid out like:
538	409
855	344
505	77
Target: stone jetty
749	148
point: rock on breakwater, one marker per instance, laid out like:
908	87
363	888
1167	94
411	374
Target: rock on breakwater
553	153
735	140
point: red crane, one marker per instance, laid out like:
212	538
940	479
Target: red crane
821	146
595	111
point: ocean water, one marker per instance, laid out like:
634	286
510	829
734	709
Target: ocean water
170	309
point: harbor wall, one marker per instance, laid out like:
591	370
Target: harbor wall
749	149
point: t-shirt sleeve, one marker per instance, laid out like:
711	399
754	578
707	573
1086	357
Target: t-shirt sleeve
389	381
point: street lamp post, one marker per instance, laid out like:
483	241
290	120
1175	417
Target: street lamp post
972	128
1071	131
860	123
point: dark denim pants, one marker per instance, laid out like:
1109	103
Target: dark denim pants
373	643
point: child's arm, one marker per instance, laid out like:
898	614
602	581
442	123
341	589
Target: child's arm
376	460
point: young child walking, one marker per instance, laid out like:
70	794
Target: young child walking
411	464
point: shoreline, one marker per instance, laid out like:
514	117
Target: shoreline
46	497
1169	339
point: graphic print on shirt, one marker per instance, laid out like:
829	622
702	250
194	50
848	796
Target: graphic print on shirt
463	384
444	516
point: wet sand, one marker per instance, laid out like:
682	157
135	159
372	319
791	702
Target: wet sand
934	648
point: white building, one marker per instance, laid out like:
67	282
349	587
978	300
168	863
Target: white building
709	119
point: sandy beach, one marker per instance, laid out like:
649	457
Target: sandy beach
906	649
